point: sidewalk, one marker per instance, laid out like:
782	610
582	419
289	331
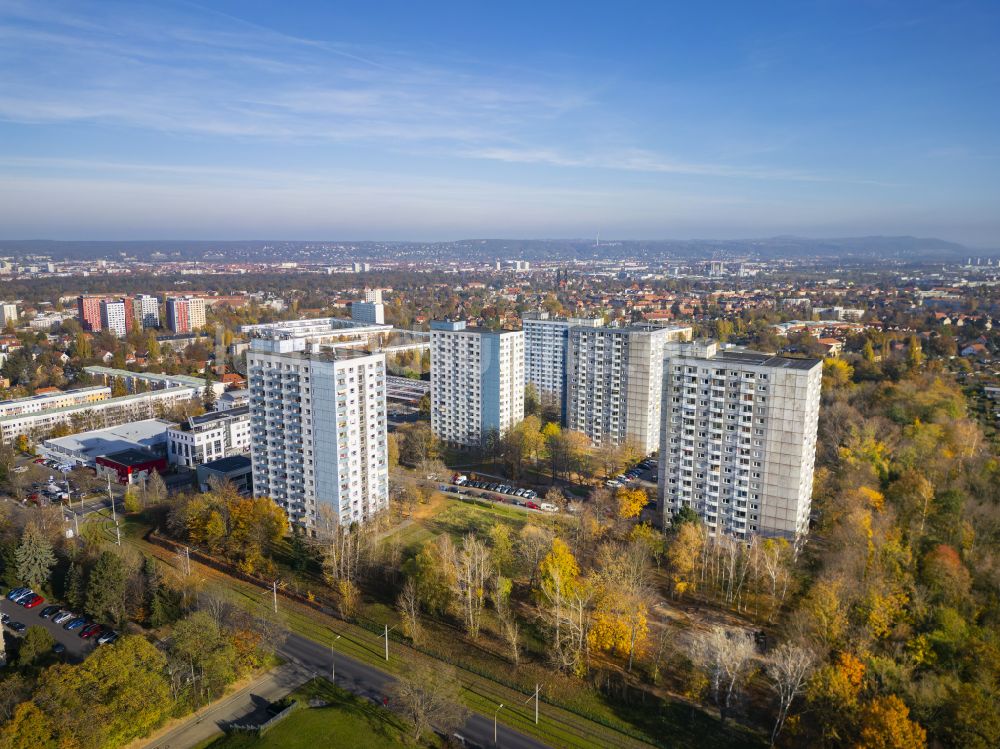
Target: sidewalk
209	721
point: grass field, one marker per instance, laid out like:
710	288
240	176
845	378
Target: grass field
345	720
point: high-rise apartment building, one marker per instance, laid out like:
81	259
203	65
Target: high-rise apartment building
614	382
146	311
318	428
546	344
477	382
8	314
113	317
89	311
185	314
370	311
739	438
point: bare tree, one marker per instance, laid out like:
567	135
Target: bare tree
473	567
788	669
727	661
408	604
430	698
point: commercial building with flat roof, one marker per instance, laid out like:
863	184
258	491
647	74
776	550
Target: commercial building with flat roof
84	448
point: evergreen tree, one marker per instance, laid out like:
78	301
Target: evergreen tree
209	398
106	583
74	586
34	557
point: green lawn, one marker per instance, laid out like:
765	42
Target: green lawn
346	721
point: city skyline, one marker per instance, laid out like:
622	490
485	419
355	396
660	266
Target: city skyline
222	120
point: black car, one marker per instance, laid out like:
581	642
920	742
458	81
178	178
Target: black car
49	611
17	627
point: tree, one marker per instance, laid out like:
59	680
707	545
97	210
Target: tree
408	605
473	567
430	697
209	393
418	444
37	642
34	557
106	586
74	586
199	645
726	660
28	728
683	550
118	388
156	489
630	502
886	724
788	668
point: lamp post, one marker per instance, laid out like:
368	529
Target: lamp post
495	722
333	661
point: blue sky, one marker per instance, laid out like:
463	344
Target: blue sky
409	120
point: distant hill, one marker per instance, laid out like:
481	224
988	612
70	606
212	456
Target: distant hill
899	247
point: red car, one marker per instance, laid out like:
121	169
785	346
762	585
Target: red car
35	600
38	460
91	630
531	506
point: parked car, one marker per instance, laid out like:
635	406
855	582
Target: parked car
17	627
24	595
548	507
48	611
72	624
4	618
532	506
15	592
59	648
35	600
65	616
107	638
91	630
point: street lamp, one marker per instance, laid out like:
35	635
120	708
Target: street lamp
495	722
333	661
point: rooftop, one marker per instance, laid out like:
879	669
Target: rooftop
131	457
97	442
228	465
180	379
50	394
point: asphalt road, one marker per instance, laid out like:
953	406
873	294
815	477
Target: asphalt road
368	681
77	648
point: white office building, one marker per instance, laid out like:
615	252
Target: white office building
739	438
210	436
546	344
477	382
614	381
318	427
113	317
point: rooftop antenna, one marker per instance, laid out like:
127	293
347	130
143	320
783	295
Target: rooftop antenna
598	244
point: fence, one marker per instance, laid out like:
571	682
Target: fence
260	729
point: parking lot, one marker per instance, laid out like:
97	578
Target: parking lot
77	648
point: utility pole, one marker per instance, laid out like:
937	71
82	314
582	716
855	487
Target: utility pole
187	561
111	498
274	588
535	698
388	629
118	533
